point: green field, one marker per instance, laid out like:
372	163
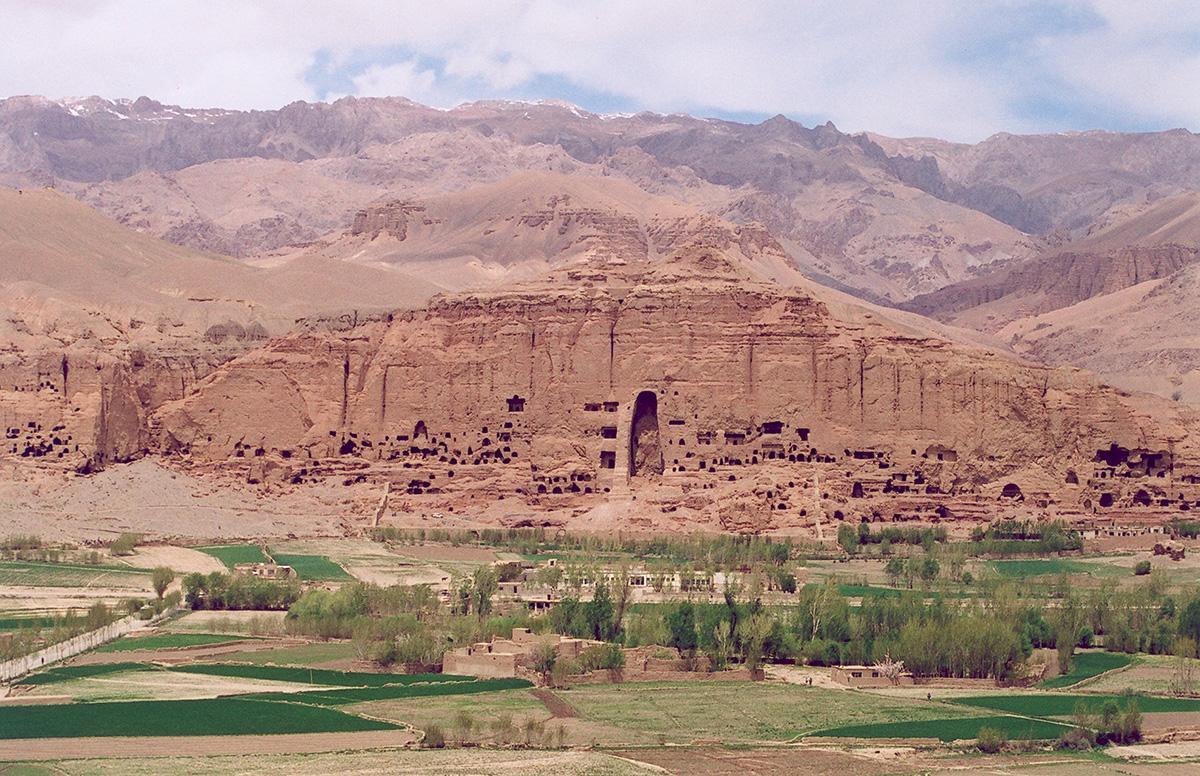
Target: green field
1021	569
210	717
17	623
679	712
21	573
1052	705
317	675
1016	728
168	641
341	697
304	655
313	567
233	554
67	673
1085	665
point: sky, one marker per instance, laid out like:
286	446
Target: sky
955	69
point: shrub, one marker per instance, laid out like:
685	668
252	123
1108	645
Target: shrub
383	653
601	656
1142	568
124	544
990	740
464	723
434	738
1078	739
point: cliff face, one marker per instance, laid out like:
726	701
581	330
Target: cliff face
689	388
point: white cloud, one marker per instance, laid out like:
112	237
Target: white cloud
871	64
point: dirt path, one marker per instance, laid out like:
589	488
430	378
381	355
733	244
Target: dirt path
288	743
558	708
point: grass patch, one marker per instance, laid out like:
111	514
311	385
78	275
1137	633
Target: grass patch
391	691
952	729
209	717
1039	567
169	641
22	573
679	712
17	623
67	673
313	567
1085	665
304	655
1053	705
444	710
233	554
317	675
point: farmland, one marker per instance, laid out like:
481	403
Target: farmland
23	573
963	728
210	717
168	641
1064	705
1086	665
312	567
233	554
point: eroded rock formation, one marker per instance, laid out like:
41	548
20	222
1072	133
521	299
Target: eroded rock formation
559	394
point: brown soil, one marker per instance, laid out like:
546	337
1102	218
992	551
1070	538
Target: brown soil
56	748
557	707
1164	721
800	762
436	552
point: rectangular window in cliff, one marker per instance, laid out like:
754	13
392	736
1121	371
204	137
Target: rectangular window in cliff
608	459
611	406
516	404
609	432
591	407
772	427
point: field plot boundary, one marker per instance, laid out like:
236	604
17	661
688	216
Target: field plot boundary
198	746
964	728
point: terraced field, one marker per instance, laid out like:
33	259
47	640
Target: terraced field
233	554
27	574
300	708
1064	705
168	641
1085	665
313	568
1015	728
208	717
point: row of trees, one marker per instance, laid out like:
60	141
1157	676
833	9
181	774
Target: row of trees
229	591
718	551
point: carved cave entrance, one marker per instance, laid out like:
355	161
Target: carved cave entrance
645	448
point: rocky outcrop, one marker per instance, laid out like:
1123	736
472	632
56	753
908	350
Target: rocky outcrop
390	218
1057	281
562	394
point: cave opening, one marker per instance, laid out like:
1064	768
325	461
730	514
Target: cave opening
645	447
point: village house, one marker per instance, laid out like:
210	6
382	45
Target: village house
866	676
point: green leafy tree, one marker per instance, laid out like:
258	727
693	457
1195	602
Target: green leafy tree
847	537
161	578
681	623
598	613
486	585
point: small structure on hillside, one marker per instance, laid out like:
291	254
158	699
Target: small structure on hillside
501	657
265	570
867	676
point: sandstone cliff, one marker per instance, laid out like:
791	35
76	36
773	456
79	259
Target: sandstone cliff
667	388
